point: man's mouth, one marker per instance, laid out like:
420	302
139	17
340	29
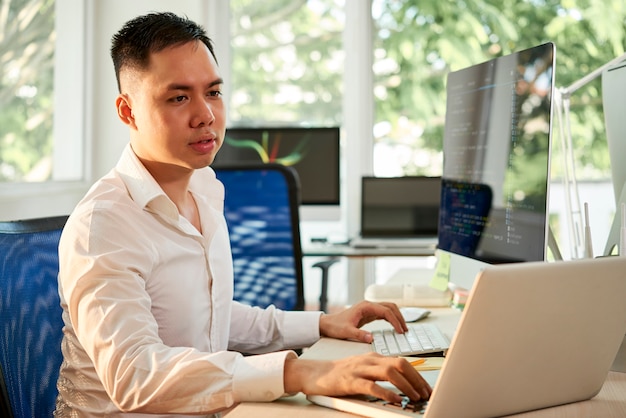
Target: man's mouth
204	145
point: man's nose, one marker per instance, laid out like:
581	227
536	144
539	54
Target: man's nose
204	115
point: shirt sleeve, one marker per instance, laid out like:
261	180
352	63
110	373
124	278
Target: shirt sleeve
254	330
260	378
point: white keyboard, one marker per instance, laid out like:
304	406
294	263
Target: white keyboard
422	338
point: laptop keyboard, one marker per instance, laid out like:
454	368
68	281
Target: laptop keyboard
422	338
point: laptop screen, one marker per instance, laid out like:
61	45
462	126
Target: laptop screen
400	207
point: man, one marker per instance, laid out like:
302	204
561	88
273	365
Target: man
146	272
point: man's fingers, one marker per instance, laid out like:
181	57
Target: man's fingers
364	336
399	373
394	317
385	394
416	389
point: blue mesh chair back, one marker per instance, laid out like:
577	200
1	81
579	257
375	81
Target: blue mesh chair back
30	316
261	210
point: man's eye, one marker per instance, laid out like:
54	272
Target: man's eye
177	99
215	93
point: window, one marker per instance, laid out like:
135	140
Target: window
26	90
287	70
287	63
42	115
40	91
418	42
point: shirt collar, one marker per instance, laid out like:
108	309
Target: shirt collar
147	193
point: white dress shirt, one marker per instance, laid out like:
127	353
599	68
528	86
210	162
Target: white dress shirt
148	310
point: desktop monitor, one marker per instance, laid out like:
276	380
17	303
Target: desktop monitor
312	152
496	162
613	93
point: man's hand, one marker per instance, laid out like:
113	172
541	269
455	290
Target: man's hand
356	376
347	324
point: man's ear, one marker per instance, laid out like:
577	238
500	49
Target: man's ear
125	110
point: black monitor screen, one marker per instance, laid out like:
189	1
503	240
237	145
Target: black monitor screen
494	198
312	152
400	206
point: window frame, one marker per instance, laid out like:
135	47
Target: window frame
22	200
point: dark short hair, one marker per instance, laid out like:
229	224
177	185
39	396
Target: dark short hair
150	33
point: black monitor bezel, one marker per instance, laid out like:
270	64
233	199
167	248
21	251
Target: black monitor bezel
325	170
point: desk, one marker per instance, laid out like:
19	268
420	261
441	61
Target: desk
344	250
609	403
334	251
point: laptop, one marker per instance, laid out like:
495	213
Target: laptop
399	212
532	335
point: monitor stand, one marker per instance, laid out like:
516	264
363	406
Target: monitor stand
553	246
619	364
613	241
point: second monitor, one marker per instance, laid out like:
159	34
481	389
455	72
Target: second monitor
313	152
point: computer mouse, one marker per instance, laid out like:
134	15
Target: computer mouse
412	313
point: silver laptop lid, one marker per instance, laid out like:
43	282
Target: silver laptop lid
533	335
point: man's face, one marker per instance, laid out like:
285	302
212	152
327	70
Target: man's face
174	109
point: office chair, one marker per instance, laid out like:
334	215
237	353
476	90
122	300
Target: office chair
30	316
324	266
262	213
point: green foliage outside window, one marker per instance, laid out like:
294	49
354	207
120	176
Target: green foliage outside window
26	89
421	41
287	64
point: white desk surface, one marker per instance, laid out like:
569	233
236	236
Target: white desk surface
609	403
344	250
